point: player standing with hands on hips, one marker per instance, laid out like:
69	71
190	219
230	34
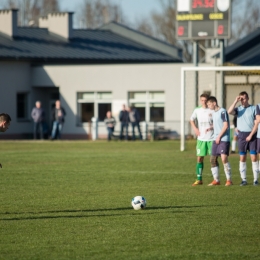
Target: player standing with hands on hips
203	116
221	144
247	127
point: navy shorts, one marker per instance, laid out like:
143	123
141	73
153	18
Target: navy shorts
244	146
221	148
258	145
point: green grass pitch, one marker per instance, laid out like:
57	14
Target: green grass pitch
72	200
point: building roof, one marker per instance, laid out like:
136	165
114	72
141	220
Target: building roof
85	46
245	51
144	39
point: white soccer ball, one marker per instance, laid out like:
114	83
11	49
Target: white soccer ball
138	202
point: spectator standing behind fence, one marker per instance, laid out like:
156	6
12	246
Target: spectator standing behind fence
134	118
58	116
110	124
124	119
38	116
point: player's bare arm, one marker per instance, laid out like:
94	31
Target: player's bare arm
254	130
196	130
231	110
209	129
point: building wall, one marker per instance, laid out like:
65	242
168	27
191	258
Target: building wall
42	82
120	79
15	78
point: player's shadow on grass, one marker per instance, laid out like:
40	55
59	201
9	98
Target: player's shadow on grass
34	217
38	215
94	210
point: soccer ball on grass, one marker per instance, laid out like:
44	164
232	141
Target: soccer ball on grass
138	202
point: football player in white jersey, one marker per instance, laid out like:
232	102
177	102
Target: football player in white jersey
203	116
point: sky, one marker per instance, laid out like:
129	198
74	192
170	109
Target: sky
132	9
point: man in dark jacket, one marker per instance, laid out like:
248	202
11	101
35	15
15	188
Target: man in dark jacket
124	119
38	115
134	117
58	115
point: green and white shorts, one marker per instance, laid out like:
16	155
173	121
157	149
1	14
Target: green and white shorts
204	147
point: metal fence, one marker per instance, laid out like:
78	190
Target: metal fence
150	130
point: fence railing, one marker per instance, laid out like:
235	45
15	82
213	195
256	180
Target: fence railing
150	130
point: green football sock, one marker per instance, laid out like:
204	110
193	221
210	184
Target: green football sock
199	169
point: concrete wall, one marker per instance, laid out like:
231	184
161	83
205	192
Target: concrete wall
120	79
40	82
15	77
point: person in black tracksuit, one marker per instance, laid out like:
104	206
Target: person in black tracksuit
124	119
134	118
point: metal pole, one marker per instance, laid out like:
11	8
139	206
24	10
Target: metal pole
222	85
182	109
24	12
94	128
195	63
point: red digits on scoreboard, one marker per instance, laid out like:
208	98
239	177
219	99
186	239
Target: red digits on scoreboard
196	3
209	3
220	29
203	3
180	30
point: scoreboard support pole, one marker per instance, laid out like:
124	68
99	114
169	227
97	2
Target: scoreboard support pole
195	63
222	85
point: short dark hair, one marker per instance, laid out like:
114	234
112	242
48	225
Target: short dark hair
212	99
204	95
243	93
5	118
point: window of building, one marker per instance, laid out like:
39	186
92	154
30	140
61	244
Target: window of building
137	95
87	112
22	106
157	112
150	104
102	110
93	104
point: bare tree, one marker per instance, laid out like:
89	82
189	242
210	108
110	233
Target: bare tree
245	18
161	25
49	6
31	10
98	12
145	26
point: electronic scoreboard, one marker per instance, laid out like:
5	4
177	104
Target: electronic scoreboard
203	19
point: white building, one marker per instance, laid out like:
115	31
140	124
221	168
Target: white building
90	71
